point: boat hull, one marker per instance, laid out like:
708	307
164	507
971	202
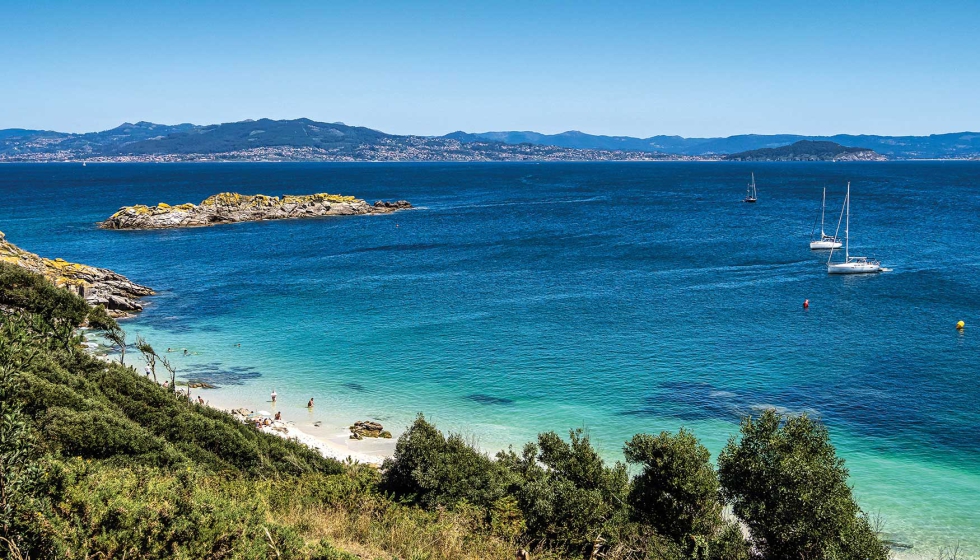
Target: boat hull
825	244
853	268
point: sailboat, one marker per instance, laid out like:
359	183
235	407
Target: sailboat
851	265
750	191
825	241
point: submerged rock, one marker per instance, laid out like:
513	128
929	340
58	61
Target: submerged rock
200	385
226	208
97	286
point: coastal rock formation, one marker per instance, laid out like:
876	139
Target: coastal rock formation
366	428
97	285
226	208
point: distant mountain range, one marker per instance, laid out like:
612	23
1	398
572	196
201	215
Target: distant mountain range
307	140
272	140
935	146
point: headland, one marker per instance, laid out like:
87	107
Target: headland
99	286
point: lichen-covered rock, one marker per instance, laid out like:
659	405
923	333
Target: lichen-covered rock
366	428
224	208
96	285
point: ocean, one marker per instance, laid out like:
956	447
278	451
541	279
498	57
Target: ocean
614	297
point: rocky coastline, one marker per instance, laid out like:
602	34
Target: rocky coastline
98	286
228	208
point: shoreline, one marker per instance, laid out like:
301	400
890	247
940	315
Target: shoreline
331	441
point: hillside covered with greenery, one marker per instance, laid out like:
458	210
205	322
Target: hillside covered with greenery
295	138
97	461
807	150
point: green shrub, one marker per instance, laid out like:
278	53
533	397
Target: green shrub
101	435
568	496
23	289
433	470
677	490
784	479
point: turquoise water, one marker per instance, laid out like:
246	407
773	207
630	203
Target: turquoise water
621	298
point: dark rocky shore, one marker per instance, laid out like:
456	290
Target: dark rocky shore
226	208
98	286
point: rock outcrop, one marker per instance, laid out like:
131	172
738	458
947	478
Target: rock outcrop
366	428
97	285
226	208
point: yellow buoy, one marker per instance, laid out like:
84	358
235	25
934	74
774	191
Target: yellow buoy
960	325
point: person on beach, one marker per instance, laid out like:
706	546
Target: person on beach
273	395
200	399
148	371
310	404
166	384
278	415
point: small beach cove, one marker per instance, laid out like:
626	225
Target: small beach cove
325	436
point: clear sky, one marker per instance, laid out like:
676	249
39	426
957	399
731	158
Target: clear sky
689	68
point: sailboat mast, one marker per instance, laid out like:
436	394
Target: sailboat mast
823	209
847	225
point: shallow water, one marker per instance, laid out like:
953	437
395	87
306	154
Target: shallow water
621	298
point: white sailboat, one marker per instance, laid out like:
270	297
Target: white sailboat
750	191
851	265
825	241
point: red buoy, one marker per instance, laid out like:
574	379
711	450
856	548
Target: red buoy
806	304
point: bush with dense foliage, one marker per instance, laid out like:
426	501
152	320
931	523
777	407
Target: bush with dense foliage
433	470
677	490
785	481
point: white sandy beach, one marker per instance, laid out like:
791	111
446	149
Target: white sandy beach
329	438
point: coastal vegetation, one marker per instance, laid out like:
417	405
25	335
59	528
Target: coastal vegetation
99	461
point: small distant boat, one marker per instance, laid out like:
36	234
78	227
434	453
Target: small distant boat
750	195
825	241
83	164
851	265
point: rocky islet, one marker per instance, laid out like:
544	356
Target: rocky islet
228	207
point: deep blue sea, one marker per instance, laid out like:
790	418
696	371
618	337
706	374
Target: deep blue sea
616	297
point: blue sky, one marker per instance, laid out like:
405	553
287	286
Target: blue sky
639	69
